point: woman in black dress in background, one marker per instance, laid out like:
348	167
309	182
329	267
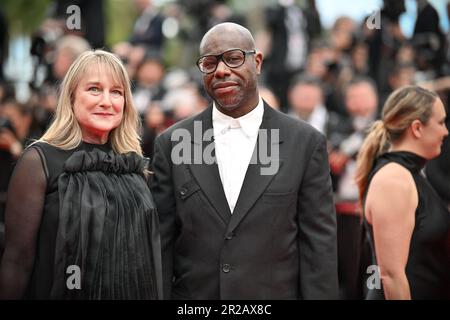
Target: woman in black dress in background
80	219
406	223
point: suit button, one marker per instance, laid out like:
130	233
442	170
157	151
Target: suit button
229	236
226	268
183	191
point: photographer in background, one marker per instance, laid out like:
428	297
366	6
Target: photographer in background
383	43
291	29
428	41
15	129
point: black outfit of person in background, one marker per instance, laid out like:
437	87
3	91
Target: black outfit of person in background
383	45
94	211
285	23
428	263
147	30
428	39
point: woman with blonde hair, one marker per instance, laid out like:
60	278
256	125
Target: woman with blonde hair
80	220
406	223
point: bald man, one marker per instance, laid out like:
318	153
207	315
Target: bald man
243	191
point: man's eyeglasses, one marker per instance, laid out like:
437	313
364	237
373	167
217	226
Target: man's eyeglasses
233	58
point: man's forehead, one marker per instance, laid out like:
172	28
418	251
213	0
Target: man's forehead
218	42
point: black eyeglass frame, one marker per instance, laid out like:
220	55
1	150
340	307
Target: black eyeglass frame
220	57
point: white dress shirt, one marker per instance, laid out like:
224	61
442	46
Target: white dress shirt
235	140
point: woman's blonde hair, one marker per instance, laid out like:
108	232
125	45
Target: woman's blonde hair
65	132
402	107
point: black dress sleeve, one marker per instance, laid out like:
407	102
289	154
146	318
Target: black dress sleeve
24	207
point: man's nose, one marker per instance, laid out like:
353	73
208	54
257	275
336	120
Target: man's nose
222	69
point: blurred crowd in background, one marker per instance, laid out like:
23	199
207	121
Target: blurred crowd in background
334	78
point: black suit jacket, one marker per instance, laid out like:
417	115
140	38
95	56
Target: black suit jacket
280	241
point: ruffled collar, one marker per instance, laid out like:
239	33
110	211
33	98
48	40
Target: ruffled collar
92	157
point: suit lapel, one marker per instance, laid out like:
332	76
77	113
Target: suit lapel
207	175
255	183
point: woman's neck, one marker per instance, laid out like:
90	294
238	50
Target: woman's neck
406	146
95	139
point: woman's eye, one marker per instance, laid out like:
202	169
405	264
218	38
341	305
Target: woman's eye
117	92
94	89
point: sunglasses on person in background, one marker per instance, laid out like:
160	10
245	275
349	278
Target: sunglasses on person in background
233	58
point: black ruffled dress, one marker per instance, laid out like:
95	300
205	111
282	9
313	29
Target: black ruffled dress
99	222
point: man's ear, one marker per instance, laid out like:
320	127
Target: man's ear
258	61
416	128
